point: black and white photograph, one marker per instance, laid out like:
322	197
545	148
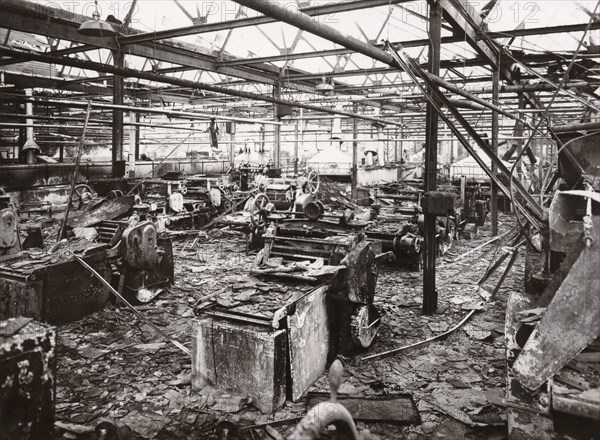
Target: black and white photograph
299	219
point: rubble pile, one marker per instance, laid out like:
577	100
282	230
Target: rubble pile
113	367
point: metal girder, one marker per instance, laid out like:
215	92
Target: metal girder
304	22
319	53
357	72
28	17
26	80
446	64
75	49
415	43
67	51
535	212
126	72
255	21
456	13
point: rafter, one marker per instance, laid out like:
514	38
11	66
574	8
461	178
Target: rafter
416	43
24	17
328	9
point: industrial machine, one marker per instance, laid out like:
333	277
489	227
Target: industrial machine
37	282
173	204
10	245
144	261
27	379
142	258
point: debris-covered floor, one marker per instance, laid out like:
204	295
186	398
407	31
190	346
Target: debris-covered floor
113	366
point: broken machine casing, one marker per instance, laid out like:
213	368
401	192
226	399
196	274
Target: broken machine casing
549	379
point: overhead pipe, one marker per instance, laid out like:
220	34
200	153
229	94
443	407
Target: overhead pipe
127	72
584	126
174	113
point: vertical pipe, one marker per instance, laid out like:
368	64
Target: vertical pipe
541	171
232	150
117	115
519	130
29	153
354	187
131	153
431	147
297	141
137	137
494	194
396	145
277	129
29	148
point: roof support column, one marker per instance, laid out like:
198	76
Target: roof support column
296	145
430	296
277	128
494	194
117	118
354	188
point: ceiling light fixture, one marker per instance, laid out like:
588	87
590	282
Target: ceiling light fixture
324	86
96	27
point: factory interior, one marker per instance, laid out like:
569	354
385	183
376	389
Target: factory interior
299	219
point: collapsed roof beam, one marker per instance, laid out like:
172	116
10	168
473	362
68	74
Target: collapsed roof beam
150	76
456	13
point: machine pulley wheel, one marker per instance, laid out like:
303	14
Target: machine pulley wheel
313	182
81	193
257	211
312	211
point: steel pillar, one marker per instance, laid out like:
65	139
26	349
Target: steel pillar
296	146
354	190
494	188
431	150
117	115
132	144
137	136
231	151
277	129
